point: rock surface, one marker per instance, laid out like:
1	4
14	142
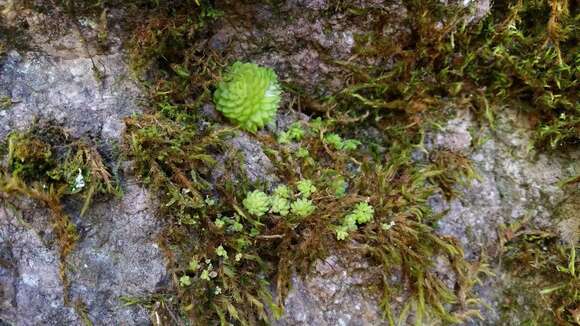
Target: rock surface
117	254
117	257
297	42
30	271
514	184
334	294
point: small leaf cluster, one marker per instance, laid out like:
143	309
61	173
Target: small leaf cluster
341	144
294	133
282	201
361	214
257	203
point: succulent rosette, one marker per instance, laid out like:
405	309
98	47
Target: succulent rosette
249	95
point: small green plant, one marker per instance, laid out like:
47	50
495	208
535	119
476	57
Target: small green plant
350	144
257	203
185	281
280	205
283	191
341	144
302	152
305	187
334	140
362	214
294	133
302	207
221	252
249	95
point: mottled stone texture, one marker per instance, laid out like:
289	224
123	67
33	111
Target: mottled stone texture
334	294
55	80
294	37
514	184
32	290
115	256
67	92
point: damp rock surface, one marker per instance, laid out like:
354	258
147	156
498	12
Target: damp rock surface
56	79
32	289
334	293
68	92
514	184
116	256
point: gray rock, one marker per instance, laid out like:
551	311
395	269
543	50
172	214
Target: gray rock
285	119
455	135
63	77
246	153
68	92
333	294
32	290
302	44
117	257
514	185
116	254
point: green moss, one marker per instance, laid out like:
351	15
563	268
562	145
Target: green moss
544	273
495	62
47	155
5	101
47	165
518	56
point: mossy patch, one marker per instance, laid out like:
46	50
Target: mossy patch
543	267
224	259
47	165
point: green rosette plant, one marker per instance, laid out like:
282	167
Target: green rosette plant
257	203
249	95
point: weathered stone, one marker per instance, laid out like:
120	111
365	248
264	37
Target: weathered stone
117	257
333	294
60	80
32	290
249	155
302	44
66	91
514	184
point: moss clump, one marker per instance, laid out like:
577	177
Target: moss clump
28	156
223	253
175	158
523	56
544	271
45	164
47	156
